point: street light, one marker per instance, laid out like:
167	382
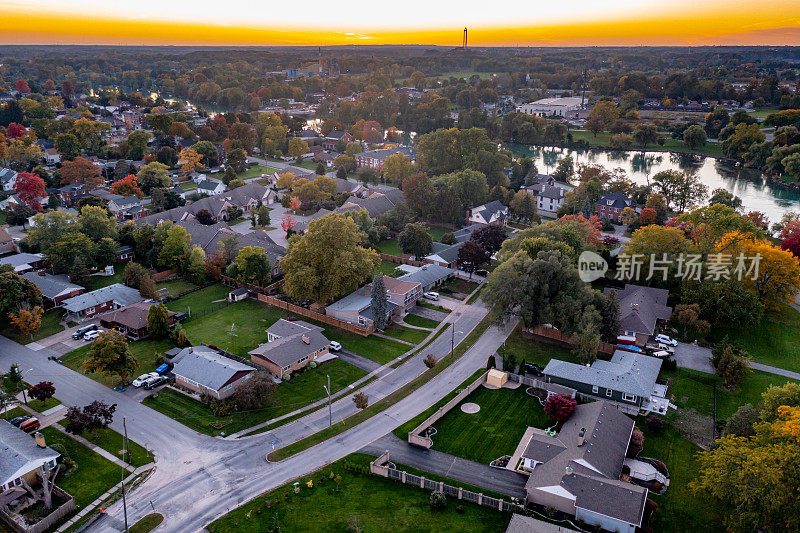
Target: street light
453	340
328	391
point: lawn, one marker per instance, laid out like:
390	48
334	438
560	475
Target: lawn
176	287
111	441
379	350
256	171
774	341
148	352
200	301
238	327
98	282
42	406
457	288
407	334
533	351
673	145
420	321
680	509
386	268
146	524
436	232
492	432
303	389
94	474
390	247
49	326
377	503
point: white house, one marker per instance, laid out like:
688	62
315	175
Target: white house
548	107
489	213
8	178
51	156
210	188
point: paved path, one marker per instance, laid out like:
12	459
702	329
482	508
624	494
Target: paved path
483	476
775	370
698	358
388	338
368	365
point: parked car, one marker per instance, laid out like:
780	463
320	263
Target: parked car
661	354
19	420
32	424
666	339
533	368
83	331
163	369
431	296
481	272
141	380
152	383
334	346
92	335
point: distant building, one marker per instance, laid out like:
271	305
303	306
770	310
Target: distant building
8	178
611	205
375	158
549	107
335	136
51	156
210	188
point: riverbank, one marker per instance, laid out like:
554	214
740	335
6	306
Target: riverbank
602	140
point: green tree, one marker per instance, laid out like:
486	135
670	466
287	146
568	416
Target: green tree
196	265
176	247
95	223
644	134
152	175
158	321
396	168
297	147
601	116
14	290
694	137
262	216
68	146
379	301
328	260
251	266
415	240
110	355
680	188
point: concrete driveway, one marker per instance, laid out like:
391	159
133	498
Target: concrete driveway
62	342
694	357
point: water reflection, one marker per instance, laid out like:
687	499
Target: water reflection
748	184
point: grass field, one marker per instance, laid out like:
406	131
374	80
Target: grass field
42	406
372	347
420	321
98	282
407	334
147	352
374	503
256	171
303	389
200	301
457	288
386	268
49	326
94	475
390	247
775	341
673	145
492	432
111	441
534	351
177	287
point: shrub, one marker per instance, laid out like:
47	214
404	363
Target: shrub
460	509
654	424
430	360
438	501
559	407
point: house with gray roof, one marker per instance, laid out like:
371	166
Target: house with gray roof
104	299
206	371
210	188
8	178
22	457
629	378
428	276
23	262
641	310
54	289
290	346
250	196
376	204
356	308
579	470
375	158
445	255
492	213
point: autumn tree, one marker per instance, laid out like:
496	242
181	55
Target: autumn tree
471	255
328	260
189	160
559	407
361	400
30	189
601	116
97	415
297	147
396	168
80	170
152	175
27	320
42	391
127	186
110	355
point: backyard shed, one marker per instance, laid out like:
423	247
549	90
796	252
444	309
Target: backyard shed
496	378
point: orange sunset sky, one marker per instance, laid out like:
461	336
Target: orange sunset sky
316	22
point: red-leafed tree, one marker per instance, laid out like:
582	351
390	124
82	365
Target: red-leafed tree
295	203
29	188
560	407
22	86
288	222
127	186
791	242
647	216
42	391
15	130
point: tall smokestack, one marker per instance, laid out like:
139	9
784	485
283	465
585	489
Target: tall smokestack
464	45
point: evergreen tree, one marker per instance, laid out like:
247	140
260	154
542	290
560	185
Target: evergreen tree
379	302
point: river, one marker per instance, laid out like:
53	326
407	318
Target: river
749	185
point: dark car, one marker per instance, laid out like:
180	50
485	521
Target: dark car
483	273
152	383
19	420
533	368
83	331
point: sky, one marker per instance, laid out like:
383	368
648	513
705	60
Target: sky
440	22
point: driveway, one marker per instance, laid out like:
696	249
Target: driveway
694	357
431	314
243	228
61	342
368	365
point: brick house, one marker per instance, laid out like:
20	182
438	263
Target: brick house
55	289
375	158
93	303
335	136
131	320
6	241
611	205
290	346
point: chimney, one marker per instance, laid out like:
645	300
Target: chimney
306	339
582	437
40	440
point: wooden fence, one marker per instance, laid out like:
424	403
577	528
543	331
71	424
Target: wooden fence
402	260
18	524
556	337
302	311
166	274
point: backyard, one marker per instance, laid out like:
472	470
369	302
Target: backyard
257	170
200	302
148	352
493	431
363	501
303	389
534	351
176	287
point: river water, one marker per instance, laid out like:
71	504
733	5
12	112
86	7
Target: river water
749	185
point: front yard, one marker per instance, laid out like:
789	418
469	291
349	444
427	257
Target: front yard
148	352
457	288
303	389
360	502
49	326
111	441
493	431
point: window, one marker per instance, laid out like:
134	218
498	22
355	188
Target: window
629	397
608	393
594	389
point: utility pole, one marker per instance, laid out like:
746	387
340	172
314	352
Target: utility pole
328	390
452	339
125	455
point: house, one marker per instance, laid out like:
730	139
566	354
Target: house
177	189
23	262
403	293
23	457
250	196
55	289
642	310
127	207
445	255
8	178
69	194
493	212
578	471
131	320
302	226
628	379
611	205
210	188
376	204
124	254
330	140
356	307
7	244
206	371
375	158
428	276
51	156
550	107
93	303
290	346
548	199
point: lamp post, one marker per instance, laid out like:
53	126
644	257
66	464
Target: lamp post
328	391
